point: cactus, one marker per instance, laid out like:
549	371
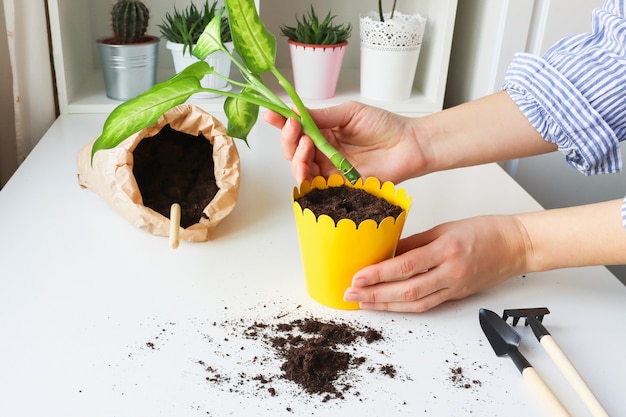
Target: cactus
129	20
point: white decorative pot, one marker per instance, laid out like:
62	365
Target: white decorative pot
218	60
389	54
316	68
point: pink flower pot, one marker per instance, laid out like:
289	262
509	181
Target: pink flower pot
316	68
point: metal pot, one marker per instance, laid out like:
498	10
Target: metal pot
128	70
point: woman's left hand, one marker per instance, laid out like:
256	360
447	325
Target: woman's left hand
447	262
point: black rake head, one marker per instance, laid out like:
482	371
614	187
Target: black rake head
519	313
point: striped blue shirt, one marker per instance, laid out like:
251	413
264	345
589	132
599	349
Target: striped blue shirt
575	95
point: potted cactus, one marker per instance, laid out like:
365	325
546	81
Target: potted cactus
317	49
182	29
129	57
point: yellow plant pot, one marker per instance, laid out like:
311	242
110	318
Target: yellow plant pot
333	253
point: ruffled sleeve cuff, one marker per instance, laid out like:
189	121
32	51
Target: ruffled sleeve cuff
562	115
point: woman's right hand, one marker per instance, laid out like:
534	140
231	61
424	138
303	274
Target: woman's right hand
377	142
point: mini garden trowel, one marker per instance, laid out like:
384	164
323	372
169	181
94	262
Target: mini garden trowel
505	342
534	318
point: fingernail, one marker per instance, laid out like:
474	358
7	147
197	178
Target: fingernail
351	296
359	282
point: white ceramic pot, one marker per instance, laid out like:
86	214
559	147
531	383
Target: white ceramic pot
218	60
316	68
389	55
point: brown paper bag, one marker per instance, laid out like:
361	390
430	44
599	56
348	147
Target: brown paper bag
111	174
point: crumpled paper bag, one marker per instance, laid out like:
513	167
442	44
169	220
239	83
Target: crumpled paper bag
111	174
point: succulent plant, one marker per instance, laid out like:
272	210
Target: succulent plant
129	19
187	25
311	31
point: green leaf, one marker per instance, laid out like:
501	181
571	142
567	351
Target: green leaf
242	116
253	42
145	109
210	40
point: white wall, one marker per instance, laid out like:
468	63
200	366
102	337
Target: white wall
486	35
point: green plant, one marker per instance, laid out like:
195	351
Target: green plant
380	10
311	31
186	26
256	46
129	20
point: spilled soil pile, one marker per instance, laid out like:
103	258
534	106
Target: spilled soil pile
320	356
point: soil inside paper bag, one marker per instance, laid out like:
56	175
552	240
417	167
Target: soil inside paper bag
175	167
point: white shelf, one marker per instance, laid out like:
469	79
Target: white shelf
76	24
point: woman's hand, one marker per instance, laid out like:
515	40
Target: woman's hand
378	143
448	262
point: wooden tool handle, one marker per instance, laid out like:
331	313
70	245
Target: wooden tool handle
174	225
572	376
546	394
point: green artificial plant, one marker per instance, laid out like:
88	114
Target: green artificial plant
256	47
380	10
186	26
129	21
310	30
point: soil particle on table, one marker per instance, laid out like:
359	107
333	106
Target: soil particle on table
459	378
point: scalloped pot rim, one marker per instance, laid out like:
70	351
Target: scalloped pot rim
387	190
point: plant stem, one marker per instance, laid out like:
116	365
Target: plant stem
380	10
255	83
310	129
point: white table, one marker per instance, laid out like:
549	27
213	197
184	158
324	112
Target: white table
83	294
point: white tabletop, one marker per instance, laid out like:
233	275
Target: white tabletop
98	318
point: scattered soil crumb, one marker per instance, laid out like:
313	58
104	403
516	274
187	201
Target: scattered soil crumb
460	380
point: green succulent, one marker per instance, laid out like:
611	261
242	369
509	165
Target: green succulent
311	31
187	25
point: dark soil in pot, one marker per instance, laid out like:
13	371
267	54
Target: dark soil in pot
175	167
345	202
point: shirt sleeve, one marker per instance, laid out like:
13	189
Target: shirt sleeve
575	95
